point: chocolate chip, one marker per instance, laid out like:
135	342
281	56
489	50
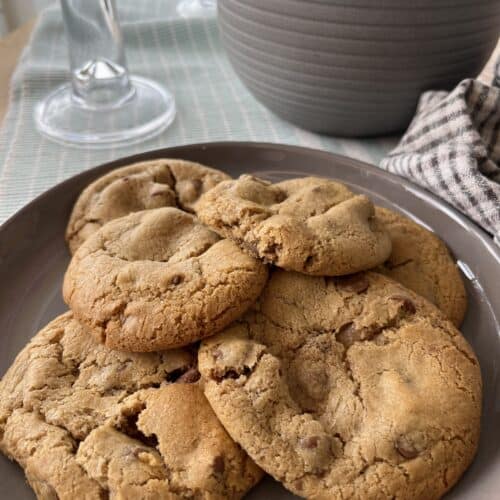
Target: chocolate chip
357	283
280	196
409	307
348	334
197	185
308	262
190	377
125	179
309	443
406	304
218	465
299	485
176	280
405	448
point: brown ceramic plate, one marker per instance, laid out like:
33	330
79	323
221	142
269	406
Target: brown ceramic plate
33	258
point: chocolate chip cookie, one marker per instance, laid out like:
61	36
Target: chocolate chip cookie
420	261
141	186
350	387
311	225
159	279
88	422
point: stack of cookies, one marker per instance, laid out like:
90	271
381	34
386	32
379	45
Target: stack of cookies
222	329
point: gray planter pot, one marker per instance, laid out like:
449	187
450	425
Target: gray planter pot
355	67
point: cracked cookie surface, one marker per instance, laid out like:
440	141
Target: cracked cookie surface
158	279
421	261
141	186
311	225
88	422
351	387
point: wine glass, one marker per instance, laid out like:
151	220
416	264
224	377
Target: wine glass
103	104
197	8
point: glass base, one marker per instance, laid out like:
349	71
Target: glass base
148	111
197	8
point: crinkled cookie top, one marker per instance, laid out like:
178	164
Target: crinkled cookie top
85	421
159	279
141	186
310	225
350	387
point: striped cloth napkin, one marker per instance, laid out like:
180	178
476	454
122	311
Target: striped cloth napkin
452	148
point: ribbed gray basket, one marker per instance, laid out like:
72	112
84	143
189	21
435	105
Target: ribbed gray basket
355	67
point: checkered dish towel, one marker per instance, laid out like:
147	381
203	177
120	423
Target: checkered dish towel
452	148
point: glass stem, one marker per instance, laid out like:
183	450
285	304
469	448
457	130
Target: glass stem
99	74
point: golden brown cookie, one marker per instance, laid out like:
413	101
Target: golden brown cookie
141	186
85	421
311	225
159	279
349	387
421	262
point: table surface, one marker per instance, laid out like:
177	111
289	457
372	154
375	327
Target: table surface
12	45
